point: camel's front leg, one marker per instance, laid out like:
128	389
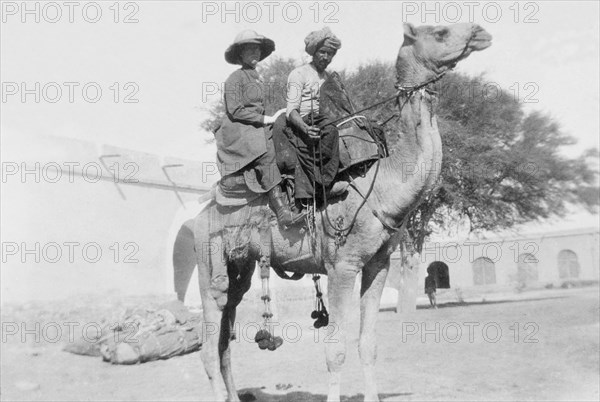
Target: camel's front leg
373	282
339	288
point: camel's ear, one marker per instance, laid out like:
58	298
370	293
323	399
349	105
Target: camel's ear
410	34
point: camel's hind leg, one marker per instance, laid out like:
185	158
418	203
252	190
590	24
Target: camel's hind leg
239	284
220	296
225	353
213	290
214	298
373	282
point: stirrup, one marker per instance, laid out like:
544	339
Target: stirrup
299	218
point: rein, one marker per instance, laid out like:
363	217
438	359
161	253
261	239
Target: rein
401	90
408	92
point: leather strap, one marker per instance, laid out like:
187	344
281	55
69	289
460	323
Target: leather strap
283	275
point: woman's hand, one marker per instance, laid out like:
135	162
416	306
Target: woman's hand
271	119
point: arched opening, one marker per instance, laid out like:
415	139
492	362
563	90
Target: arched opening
568	265
484	271
527	269
440	271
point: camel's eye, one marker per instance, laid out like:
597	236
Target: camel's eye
440	34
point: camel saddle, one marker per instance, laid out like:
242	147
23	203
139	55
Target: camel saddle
236	209
360	142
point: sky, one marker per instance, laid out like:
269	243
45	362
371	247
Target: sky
168	56
142	74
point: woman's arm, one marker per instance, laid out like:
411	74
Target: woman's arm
237	107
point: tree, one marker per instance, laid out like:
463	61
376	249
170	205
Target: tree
369	84
501	166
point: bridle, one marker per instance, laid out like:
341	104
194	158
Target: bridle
402	91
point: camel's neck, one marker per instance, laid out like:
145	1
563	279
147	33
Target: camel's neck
415	162
412	70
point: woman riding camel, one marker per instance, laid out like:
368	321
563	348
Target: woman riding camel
244	140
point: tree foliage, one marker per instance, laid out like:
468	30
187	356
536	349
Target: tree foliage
502	166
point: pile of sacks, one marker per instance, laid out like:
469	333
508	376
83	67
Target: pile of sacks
142	335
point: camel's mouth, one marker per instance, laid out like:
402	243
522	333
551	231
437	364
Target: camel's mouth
480	40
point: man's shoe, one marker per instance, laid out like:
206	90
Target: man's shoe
339	188
278	204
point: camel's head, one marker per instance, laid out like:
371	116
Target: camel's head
428	51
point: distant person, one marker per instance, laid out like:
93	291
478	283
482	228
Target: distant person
430	288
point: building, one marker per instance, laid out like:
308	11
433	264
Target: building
532	260
82	218
85	218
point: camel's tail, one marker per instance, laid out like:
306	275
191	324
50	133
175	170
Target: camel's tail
189	237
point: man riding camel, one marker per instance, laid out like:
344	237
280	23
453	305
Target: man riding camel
316	144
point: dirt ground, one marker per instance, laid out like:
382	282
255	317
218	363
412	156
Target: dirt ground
546	348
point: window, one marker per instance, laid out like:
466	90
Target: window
527	268
484	271
568	265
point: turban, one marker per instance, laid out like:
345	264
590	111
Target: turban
323	37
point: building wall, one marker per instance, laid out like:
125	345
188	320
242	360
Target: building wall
61	206
504	253
63	201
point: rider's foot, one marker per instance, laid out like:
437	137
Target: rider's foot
285	216
339	188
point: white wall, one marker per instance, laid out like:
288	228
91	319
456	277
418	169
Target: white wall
459	256
49	211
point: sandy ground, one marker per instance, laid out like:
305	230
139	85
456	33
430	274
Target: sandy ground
553	355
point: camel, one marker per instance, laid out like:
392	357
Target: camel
399	183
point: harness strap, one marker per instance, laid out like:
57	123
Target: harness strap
377	214
342	232
385	225
283	275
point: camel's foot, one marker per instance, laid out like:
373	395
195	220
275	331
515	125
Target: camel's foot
333	396
371	394
333	393
217	393
233	398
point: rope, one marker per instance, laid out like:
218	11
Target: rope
408	92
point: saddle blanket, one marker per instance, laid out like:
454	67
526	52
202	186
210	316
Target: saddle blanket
224	217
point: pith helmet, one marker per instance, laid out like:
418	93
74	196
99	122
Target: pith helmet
267	46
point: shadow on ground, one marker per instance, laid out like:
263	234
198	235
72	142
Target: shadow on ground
259	395
477	303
